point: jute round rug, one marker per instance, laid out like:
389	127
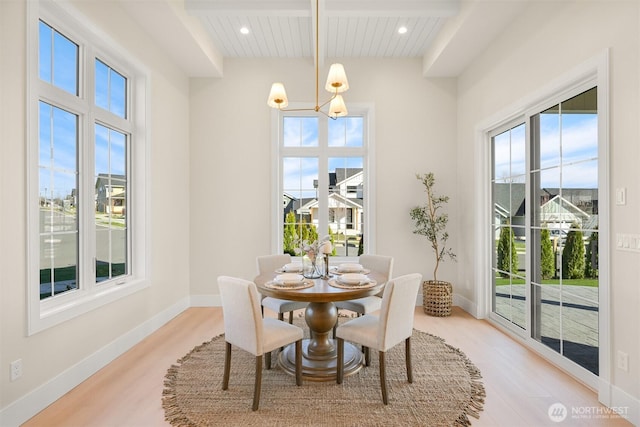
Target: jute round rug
446	389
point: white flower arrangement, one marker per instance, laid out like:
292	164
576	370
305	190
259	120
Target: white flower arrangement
322	246
317	267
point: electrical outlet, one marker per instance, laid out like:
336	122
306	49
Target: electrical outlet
621	196
16	369
623	361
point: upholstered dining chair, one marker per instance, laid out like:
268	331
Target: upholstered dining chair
382	266
268	264
383	331
245	328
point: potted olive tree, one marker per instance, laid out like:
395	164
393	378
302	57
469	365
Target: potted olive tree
437	295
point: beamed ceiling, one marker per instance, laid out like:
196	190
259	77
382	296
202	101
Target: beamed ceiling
447	34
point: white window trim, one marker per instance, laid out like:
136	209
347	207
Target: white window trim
594	72
368	152
53	311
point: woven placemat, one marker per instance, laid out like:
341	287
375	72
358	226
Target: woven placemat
446	389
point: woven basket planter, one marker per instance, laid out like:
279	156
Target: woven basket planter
437	298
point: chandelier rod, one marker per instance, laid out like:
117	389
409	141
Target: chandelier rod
277	97
317	51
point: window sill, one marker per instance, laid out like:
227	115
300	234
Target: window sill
51	315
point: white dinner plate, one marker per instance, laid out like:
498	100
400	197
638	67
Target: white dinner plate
352	278
292	267
349	268
289	278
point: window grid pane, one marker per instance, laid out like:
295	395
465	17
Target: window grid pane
300	198
346	203
300	131
58	137
58	59
111	203
346	132
509	251
111	89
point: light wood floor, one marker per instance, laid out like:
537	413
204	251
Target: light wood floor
520	385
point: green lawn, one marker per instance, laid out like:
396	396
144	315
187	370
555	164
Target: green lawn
593	283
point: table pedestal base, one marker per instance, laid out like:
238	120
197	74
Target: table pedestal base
321	368
319	353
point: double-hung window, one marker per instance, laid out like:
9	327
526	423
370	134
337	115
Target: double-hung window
86	156
325	181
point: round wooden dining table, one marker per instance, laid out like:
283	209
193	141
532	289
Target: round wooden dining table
319	352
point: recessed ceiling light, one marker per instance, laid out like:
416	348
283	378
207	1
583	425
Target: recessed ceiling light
402	30
244	30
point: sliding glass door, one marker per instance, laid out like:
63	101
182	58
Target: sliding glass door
545	227
564	228
509	226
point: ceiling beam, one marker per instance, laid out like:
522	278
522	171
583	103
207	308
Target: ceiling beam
466	35
395	8
249	7
180	34
343	8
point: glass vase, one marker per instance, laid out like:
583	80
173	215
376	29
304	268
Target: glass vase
312	268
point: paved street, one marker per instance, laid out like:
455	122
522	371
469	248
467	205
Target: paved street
59	247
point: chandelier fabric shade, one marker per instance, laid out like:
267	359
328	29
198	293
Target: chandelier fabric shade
336	84
278	96
337	107
337	79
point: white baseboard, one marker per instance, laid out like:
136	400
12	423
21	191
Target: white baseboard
30	404
465	304
206	301
620	401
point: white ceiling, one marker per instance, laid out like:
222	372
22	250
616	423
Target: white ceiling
286	29
199	34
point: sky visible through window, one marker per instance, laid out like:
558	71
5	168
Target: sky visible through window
58	156
110	151
59	65
110	89
299	173
58	59
567	139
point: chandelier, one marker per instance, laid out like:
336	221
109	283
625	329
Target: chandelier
336	84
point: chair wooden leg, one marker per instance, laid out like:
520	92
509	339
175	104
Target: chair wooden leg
364	349
383	380
367	356
291	317
281	318
299	362
227	366
340	361
258	383
267	360
336	324
407	349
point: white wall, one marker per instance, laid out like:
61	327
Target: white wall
548	40
415	123
52	352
